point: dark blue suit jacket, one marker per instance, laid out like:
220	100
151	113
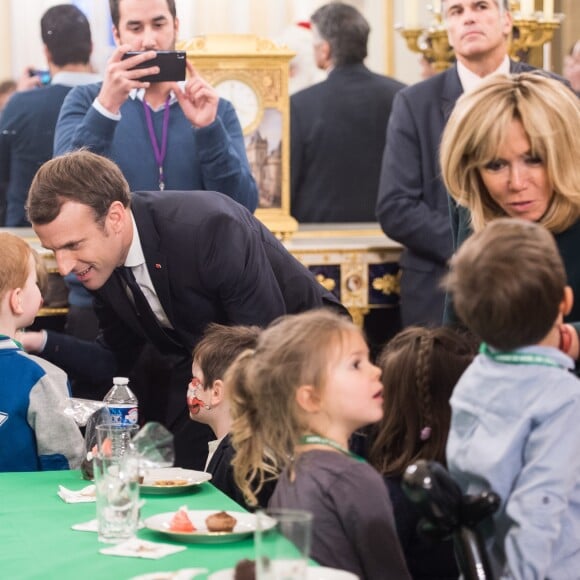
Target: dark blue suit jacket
337	140
412	205
210	260
26	136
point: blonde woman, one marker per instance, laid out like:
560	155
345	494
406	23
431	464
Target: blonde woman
512	148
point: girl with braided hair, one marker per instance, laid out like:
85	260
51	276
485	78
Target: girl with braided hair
296	400
420	369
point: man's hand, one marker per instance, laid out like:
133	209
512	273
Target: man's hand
27	81
32	341
119	81
198	100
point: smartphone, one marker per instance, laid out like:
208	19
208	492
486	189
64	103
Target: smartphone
171	65
43	75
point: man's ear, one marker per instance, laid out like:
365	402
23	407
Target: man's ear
117	216
508	23
15	301
326	53
308	399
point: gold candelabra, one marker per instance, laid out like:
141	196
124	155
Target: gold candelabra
531	29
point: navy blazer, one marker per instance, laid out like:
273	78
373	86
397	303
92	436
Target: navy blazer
412	205
337	139
210	260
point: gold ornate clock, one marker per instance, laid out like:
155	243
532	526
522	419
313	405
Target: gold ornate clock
252	73
245	99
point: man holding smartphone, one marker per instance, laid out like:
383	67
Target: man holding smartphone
164	135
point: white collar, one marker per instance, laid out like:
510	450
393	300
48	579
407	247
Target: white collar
470	81
135	256
74	79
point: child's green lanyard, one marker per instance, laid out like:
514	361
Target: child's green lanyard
518	358
18	344
318	440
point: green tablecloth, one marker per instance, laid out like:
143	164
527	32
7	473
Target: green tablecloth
36	539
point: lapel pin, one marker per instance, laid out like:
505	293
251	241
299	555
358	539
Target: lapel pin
158	266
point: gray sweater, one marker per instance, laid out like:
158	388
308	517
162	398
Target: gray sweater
353	527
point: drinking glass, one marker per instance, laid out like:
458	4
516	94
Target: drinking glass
117	497
116	470
282	552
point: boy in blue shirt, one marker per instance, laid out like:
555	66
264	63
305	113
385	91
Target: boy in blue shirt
35	434
515	424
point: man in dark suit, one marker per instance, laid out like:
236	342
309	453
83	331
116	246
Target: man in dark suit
412	204
161	266
337	127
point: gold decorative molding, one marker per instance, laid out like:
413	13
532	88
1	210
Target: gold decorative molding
327	283
388	284
263	65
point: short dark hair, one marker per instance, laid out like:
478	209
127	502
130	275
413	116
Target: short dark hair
66	33
219	348
345	29
114	8
79	176
507	282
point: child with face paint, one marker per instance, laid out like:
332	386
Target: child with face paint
207	398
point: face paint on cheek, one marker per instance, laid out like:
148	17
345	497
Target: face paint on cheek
194	403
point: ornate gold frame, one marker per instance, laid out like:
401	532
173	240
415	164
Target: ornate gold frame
264	65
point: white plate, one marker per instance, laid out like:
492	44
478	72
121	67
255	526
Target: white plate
314	573
187	479
245	526
183	574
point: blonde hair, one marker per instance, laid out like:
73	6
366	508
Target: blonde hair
14	262
550	115
267	422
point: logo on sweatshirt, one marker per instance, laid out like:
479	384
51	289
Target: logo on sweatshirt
3	418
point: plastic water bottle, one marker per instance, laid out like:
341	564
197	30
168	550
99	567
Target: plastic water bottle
122	403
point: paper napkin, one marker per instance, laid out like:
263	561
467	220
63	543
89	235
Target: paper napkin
90	526
86	494
136	548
